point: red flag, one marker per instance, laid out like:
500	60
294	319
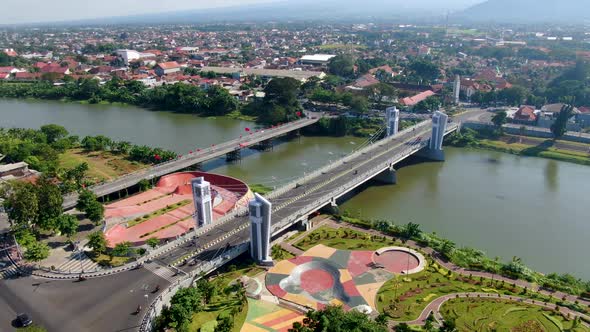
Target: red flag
298	114
190	151
198	150
247	129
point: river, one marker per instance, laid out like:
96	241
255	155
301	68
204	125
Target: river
506	205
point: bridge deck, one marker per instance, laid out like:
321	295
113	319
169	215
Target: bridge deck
316	192
194	158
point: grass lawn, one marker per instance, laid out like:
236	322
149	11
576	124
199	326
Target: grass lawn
497	315
225	298
343	238
279	254
104	260
102	165
260	188
533	151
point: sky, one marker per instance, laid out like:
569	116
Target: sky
35	11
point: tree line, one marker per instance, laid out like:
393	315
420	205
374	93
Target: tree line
179	97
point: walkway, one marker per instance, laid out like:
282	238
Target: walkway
434	306
466	272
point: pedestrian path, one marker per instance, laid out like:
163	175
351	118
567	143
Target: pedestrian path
79	264
161	271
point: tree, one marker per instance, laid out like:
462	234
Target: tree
22	204
424	70
97	242
121	249
403	327
67	224
50	203
220	101
411	230
359	104
559	127
54	132
95	212
514	96
499	118
153	242
429	104
36	252
341	65
333	319
183	304
448	326
378	93
446	249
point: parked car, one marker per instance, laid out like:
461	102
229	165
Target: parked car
23	320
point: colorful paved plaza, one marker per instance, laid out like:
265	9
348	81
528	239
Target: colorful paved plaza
324	275
269	317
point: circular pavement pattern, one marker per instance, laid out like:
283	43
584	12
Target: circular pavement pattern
397	261
316	280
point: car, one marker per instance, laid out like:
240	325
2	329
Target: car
23	320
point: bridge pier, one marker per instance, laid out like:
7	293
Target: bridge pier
388	176
331	208
265	145
434	149
233	156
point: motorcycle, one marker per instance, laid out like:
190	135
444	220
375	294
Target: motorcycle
138	310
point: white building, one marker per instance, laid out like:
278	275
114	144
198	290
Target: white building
128	55
316	59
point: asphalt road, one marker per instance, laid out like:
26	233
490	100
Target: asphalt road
107	304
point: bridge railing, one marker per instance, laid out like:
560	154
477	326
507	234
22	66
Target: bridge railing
205	268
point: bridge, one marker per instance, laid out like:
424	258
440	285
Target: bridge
230	148
92	310
295	201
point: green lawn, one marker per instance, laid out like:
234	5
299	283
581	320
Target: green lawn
343	238
225	298
279	254
533	151
260	188
487	315
102	165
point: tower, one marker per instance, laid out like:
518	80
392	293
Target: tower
203	202
392	118
456	89
260	213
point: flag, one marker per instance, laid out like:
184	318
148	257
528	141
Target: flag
298	113
247	129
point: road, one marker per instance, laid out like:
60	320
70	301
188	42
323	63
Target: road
190	159
106	304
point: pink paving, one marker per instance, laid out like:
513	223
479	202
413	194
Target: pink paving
170	190
359	262
397	261
313	281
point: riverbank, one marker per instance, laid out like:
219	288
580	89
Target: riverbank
567	151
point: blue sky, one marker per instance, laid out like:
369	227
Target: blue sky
32	11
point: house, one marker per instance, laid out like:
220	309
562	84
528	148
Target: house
56	68
549	114
525	115
316	59
383	72
166	68
364	82
584	117
24	76
10	52
8	70
4	76
412	101
16	171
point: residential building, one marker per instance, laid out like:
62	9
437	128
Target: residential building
166	68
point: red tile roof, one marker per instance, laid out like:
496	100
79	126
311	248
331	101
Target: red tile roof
169	65
525	113
411	101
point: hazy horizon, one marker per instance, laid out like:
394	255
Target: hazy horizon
39	11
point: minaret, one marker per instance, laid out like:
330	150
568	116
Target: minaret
203	202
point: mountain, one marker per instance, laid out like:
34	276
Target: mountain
298	10
528	11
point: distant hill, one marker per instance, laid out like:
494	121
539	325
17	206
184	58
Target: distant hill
528	11
298	10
